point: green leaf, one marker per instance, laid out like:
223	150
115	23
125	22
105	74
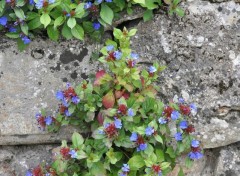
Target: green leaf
139	1
19	13
53	34
171	152
78	32
34	24
149	150
165	165
188	162
120	4
12	35
136	162
158	138
106	14
148	104
179	12
32	15
147	15
21	45
45	19
88	26
58	22
176	2
77	140
71	22
160	155
20	3
66	32
181	173
132	32
24	28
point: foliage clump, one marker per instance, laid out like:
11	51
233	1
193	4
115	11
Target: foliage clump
128	131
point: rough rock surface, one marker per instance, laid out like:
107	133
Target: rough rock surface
201	50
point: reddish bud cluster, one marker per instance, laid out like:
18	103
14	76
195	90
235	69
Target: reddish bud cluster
41	121
195	149
168	111
110	57
122	109
65	152
150	74
94	10
111	130
37	171
72	13
140	140
156	168
184	109
45	4
69	93
131	64
190	129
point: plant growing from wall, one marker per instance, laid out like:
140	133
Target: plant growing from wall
130	132
23	19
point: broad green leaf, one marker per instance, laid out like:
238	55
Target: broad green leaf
19	13
32	15
117	33
24	28
147	15
181	173
120	3
34	24
20	3
78	32
140	1
66	32
106	14
160	155
136	162
132	32
45	19
77	140
179	12
58	22
71	22
158	138
12	35
21	45
53	34
165	165
171	152
188	162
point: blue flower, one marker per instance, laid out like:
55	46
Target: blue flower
38	115
87	5
195	155
8	1
26	40
48	174
162	120
101	132
142	147
122	174
60	95
193	108
149	131
106	125
110	47
31	2
130	112
68	15
134	137
178	136
73	154
3	21
108	0
51	1
29	173
39	4
195	143
134	56
175	115
99	1
152	69
48	120
96	25
117	54
117	123
66	112
160	173
183	124
181	100
12	29
125	168
75	99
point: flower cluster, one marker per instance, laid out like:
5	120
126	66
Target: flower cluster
195	150
139	141
44	121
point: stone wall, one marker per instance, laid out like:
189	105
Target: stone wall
201	50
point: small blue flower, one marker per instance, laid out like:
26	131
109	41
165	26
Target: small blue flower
178	136
175	115
99	1
183	124
12	29
3	21
65	102
26	40
108	0
31	2
87	5
125	168
130	112
134	137
8	1
117	123
66	112
117	54
134	56
60	95
195	143
106	125
75	99
181	100
73	153
68	15
195	155
142	147
48	174
101	132
152	69
110	47
149	131
193	108
39	4
51	1
96	25
162	120
29	173
38	115
48	120
160	173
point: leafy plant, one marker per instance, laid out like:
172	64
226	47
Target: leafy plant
127	130
22	19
